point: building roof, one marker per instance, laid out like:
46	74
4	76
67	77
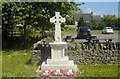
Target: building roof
97	17
86	17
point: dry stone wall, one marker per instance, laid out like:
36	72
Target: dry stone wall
81	53
102	53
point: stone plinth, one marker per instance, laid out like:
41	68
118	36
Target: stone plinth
57	50
58	60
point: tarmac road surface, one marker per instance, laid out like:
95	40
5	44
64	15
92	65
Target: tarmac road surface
115	37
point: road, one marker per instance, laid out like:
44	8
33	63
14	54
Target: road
115	37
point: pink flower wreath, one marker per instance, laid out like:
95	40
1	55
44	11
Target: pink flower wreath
45	73
70	72
58	72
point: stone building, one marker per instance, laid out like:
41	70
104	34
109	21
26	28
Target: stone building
87	17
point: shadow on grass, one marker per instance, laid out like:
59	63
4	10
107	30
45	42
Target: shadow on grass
18	43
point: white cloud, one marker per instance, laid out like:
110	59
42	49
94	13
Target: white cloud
89	10
95	13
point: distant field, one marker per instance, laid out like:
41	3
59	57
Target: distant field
92	31
69	32
99	31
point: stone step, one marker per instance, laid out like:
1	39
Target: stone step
57	61
71	62
57	66
66	57
64	60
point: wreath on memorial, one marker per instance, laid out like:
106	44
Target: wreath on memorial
58	72
45	73
70	72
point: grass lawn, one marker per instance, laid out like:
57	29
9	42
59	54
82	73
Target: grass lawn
92	31
98	70
14	65
99	31
69	32
0	64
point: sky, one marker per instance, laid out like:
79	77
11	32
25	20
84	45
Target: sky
95	0
100	8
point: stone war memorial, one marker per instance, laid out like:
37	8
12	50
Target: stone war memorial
58	60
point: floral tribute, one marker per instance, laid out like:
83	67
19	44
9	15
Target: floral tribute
45	73
58	73
70	72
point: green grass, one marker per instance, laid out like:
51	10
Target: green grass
14	64
69	32
92	31
0	64
96	31
98	70
99	31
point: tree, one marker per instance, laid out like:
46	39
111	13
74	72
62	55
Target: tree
118	23
110	21
101	25
34	14
96	25
106	21
81	22
7	18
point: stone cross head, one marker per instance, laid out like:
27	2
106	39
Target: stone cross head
57	20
